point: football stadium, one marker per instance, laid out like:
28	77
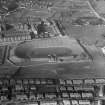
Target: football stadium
52	52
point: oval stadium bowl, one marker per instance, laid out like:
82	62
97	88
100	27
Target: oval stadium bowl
57	49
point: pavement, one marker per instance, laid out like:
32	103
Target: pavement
99	7
94	10
98	58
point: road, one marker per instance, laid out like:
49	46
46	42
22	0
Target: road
98	62
94	10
